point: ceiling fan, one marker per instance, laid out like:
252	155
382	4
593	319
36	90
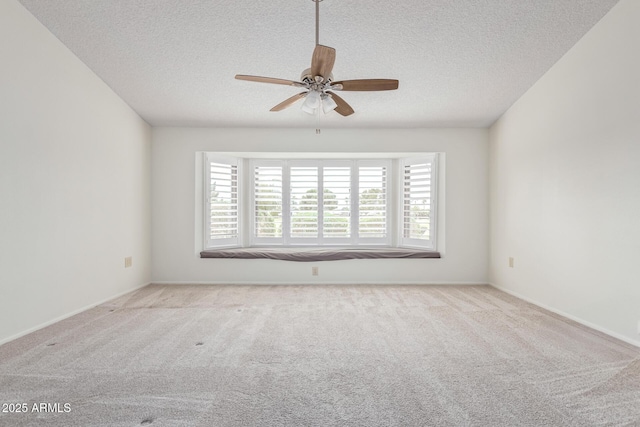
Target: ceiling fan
318	84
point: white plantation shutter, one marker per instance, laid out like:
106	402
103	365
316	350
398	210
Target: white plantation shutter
336	204
320	202
373	202
304	202
324	202
418	202
222	215
267	203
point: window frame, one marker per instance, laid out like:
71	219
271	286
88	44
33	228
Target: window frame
394	201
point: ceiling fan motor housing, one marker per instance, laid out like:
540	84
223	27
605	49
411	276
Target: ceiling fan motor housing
307	77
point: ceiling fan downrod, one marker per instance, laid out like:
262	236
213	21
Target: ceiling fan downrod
317	2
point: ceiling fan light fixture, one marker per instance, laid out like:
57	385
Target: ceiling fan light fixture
328	104
311	102
308	110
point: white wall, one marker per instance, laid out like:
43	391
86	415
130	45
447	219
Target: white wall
74	181
174	224
565	182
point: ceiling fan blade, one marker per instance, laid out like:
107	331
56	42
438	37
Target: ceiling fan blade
322	61
343	108
367	84
269	80
288	102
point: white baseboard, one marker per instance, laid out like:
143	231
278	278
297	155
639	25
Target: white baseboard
569	316
66	316
280	283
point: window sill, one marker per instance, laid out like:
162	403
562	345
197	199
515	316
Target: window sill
318	254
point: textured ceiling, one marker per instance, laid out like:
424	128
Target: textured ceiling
460	63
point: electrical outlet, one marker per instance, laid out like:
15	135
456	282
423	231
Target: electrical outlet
638	326
511	262
128	262
314	271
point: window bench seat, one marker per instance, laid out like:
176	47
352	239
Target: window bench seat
315	254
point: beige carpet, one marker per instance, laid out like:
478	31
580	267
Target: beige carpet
320	356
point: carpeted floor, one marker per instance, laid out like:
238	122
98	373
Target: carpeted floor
319	356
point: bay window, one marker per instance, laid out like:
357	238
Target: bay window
321	202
